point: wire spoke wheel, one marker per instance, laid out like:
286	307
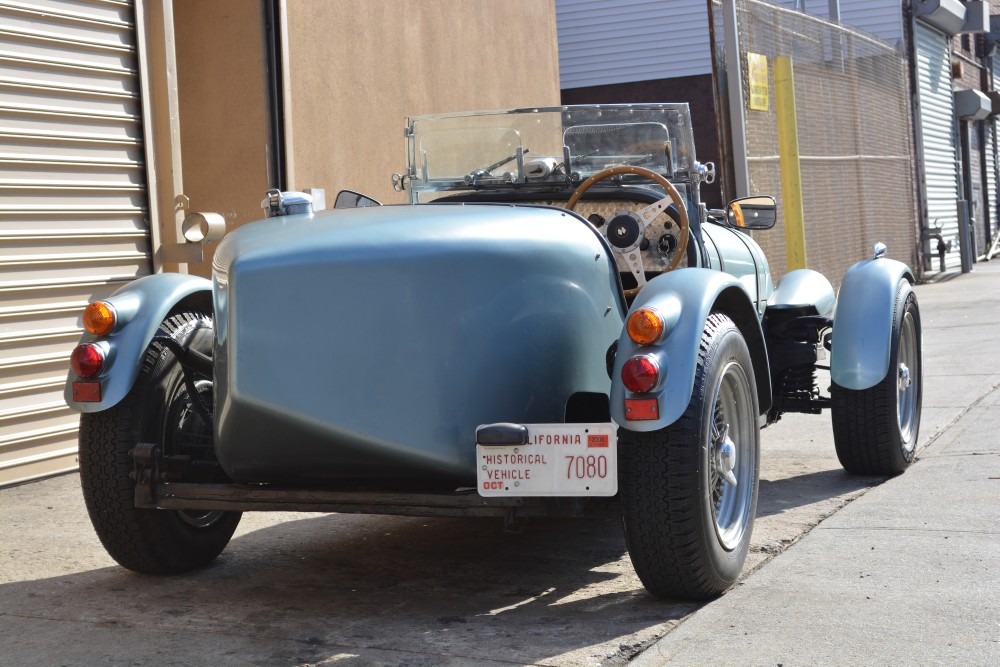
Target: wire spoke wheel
875	430
907	410
160	408
731	456
186	432
689	490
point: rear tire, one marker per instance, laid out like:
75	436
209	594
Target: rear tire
687	529
875	430
159	410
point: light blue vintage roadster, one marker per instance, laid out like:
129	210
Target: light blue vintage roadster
554	317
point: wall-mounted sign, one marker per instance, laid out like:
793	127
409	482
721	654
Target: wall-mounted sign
757	74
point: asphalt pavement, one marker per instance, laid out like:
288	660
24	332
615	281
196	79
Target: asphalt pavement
906	574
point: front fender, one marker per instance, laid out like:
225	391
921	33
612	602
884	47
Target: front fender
686	298
141	306
862	322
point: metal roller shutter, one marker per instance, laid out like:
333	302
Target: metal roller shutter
993	166
937	122
989	140
73	212
603	42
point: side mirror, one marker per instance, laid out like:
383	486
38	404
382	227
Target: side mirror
352	199
753	212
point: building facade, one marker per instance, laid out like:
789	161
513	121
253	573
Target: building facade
948	45
117	118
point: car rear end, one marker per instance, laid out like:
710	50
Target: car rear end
363	347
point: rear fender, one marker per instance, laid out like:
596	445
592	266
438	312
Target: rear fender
862	322
140	306
686	298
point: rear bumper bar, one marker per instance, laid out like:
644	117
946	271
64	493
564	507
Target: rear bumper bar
153	492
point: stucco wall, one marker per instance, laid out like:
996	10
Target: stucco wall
223	108
359	68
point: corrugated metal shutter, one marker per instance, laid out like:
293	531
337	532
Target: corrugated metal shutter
631	40
993	167
989	137
882	18
937	136
73	216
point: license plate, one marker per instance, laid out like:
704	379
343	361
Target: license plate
559	460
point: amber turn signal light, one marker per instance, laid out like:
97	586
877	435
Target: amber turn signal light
645	326
99	318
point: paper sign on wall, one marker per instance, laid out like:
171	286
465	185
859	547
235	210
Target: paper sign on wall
757	71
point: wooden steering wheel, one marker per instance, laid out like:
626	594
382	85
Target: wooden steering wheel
630	228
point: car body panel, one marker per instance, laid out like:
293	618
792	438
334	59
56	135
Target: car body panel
140	307
805	289
736	253
692	293
862	323
405	327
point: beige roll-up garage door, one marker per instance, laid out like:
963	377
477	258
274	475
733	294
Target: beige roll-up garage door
73	214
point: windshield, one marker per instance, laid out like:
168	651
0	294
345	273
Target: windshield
545	148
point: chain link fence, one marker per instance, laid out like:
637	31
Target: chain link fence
854	132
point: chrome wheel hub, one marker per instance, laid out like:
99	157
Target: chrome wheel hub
904	377
725	456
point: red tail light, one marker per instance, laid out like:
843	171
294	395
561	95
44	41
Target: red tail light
87	360
640	374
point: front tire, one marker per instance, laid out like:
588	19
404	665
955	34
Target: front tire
159	410
688	528
875	430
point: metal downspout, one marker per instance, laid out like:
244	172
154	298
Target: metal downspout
286	96
984	182
275	95
966	242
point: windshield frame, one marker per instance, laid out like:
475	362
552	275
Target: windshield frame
528	149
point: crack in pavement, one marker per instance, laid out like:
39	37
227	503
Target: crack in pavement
910	529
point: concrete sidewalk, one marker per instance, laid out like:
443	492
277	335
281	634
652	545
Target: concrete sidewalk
907	573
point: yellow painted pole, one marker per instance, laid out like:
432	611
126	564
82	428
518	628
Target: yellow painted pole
791	176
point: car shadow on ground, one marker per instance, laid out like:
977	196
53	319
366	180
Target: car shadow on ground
337	584
304	589
779	496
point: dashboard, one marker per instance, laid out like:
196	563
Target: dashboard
662	234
